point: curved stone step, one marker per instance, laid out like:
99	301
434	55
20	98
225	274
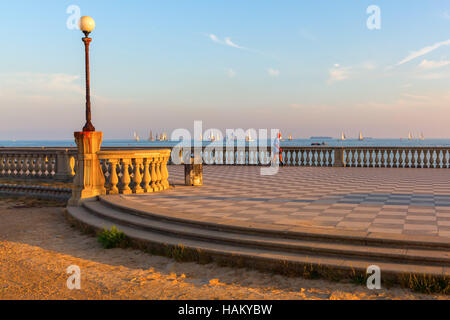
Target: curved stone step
430	257
301	233
256	257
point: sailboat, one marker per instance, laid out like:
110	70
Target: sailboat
361	138
150	138
410	137
136	137
290	137
248	138
421	136
163	137
343	136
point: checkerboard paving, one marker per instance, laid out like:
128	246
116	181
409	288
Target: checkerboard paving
388	200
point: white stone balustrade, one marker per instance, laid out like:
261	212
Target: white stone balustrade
135	171
383	157
37	163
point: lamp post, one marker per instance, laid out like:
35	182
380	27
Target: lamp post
87	25
89	181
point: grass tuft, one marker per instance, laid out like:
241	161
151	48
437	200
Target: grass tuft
112	238
426	283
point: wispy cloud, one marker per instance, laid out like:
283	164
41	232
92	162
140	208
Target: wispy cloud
230	43
338	73
430	64
423	51
214	38
227	42
273	72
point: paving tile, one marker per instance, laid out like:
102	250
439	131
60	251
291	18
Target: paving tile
407	201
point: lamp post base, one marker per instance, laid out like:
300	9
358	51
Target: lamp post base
88	127
89	180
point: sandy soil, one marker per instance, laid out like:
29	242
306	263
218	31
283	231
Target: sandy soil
37	245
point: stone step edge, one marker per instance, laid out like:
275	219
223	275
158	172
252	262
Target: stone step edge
263	260
305	246
364	238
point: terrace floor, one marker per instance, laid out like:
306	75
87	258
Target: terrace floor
381	200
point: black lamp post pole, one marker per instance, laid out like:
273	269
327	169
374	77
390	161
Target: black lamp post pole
88	126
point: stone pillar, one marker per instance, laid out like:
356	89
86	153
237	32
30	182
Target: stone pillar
89	180
193	174
339	157
63	170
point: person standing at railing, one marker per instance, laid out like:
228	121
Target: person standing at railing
278	152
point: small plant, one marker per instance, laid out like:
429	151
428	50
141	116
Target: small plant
358	277
426	283
113	238
310	272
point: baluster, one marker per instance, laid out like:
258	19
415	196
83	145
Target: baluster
15	166
382	158
158	174
401	158
370	164
113	179
407	159
307	163
154	175
2	164
164	173
295	158
427	159
26	166
438	158
354	163
414	159
7	165
359	160
301	154
363	158
329	157
287	160
147	178
391	158
51	169
125	178
32	166
41	166
445	161
137	177
20	166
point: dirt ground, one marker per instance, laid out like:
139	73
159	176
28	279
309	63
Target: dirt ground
37	246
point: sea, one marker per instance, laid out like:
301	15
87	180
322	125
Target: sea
369	142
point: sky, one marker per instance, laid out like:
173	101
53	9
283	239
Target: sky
308	68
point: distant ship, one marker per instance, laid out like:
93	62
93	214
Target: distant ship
361	138
343	136
136	137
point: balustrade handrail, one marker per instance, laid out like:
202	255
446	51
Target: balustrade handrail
135	171
58	162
